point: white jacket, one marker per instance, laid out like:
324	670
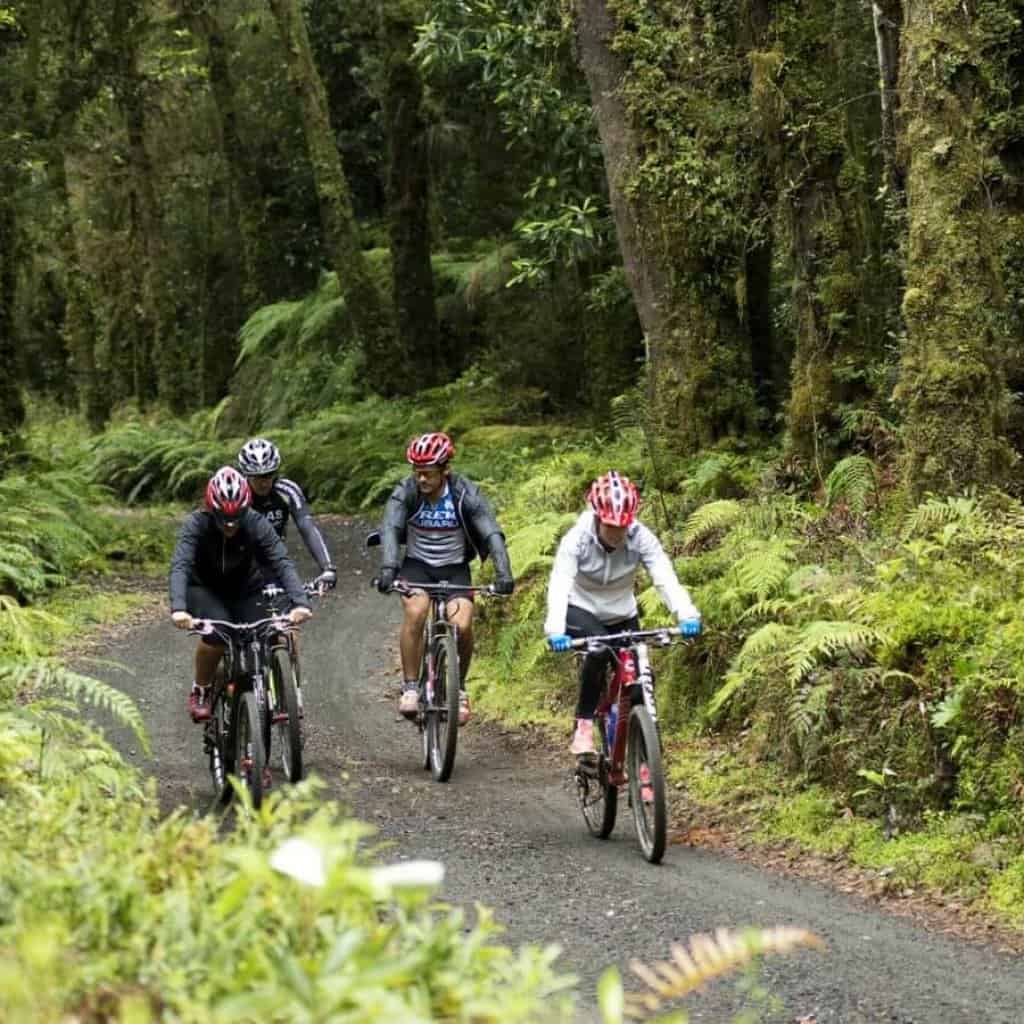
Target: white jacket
600	581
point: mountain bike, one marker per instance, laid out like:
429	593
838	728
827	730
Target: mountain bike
233	734
285	715
627	742
439	677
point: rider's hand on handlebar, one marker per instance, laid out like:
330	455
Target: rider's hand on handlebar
504	585
386	578
182	620
327	579
298	615
559	642
690	626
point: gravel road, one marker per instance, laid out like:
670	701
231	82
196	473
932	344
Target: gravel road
508	829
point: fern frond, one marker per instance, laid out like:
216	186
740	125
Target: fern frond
934	513
852	480
827	639
709	957
40	676
715	515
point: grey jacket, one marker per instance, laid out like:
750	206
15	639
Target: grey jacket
483	535
587	575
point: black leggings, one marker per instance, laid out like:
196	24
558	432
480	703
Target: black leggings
203	603
580	623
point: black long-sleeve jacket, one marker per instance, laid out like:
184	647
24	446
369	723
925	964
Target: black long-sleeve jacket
230	566
476	517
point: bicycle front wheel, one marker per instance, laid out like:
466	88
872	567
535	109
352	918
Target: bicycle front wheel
647	784
443	715
285	722
247	735
215	740
598	798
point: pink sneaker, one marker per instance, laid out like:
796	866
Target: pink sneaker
646	789
464	712
199	703
583	739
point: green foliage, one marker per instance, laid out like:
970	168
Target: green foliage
852	481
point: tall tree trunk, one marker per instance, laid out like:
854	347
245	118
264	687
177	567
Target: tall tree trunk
246	201
965	220
341	231
700	384
408	197
886	19
12	409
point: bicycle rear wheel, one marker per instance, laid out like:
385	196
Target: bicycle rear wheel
247	744
443	715
647	784
285	722
598	798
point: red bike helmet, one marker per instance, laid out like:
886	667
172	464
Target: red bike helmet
614	499
430	450
228	495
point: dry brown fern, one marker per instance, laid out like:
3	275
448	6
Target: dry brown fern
708	957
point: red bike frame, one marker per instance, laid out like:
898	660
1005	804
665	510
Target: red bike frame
618	692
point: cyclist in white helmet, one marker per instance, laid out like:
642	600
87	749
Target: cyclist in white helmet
277	499
591	587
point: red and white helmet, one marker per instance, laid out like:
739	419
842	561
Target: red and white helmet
614	499
228	495
430	450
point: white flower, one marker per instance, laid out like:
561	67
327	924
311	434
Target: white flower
301	860
410	874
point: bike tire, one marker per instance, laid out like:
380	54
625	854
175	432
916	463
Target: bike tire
248	758
598	798
216	741
650	815
288	730
443	718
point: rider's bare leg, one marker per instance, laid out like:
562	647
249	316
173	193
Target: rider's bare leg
410	639
460	612
207	658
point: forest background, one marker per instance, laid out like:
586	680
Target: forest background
763	257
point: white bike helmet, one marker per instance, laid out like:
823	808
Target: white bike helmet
259	457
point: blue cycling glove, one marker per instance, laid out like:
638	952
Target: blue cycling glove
559	642
689	627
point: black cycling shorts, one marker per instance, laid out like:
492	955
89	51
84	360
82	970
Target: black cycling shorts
415	571
203	603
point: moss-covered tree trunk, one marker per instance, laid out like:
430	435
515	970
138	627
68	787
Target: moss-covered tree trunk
408	197
341	231
961	101
698	351
12	409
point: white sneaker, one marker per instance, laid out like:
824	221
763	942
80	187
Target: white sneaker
464	711
583	739
409	702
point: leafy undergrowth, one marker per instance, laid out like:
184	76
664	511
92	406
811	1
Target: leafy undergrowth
108	913
861	656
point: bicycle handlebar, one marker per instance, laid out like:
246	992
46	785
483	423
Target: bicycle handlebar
220	627
273	590
405	588
665	636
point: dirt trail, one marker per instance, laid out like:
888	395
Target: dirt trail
508	829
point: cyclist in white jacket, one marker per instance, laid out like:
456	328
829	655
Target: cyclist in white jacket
591	587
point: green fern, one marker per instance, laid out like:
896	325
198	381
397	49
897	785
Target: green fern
853	481
709	518
826	640
933	514
38	677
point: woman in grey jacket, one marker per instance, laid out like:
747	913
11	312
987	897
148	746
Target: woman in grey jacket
591	587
